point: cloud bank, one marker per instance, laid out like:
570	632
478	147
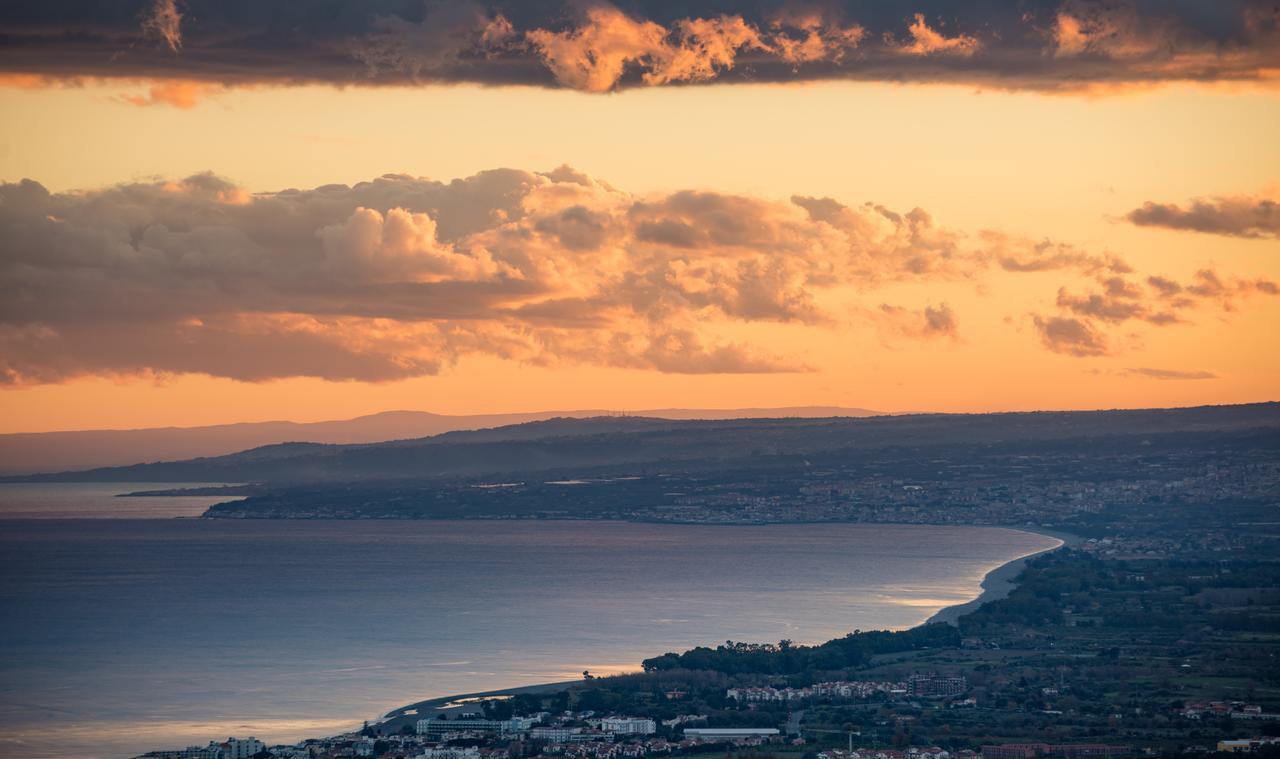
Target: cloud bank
403	276
597	46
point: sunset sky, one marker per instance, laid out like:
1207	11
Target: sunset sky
219	211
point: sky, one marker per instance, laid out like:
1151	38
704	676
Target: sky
217	212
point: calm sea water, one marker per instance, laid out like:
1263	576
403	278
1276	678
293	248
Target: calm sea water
122	635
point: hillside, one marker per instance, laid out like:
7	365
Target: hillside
31	452
571	445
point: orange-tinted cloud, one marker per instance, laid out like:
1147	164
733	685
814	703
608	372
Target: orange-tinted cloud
1074	337
1234	216
175	92
403	276
1080	329
926	40
163	21
929	322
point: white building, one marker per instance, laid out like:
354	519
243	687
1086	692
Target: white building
450	752
435	727
236	748
554	733
628	725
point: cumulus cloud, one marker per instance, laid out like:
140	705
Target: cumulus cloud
402	276
1234	216
595	46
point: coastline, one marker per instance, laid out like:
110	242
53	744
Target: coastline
411	713
997	584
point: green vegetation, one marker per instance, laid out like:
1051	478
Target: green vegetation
854	650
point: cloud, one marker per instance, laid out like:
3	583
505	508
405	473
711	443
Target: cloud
1117	302
802	35
1234	216
594	46
1170	374
1070	336
163	21
1047	255
403	276
1080	328
929	322
594	55
448	33
928	41
174	92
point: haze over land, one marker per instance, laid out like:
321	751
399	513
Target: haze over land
25	453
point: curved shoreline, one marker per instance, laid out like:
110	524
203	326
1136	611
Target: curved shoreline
996	584
999	582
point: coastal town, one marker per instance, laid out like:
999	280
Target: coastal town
587	736
1151	631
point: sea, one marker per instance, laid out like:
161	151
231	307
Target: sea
129	624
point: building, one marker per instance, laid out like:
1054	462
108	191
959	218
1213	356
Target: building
1246	745
554	733
728	733
1015	751
1087	750
212	751
236	748
1064	750
437	727
935	686
628	726
450	752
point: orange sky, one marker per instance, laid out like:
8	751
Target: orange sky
997	172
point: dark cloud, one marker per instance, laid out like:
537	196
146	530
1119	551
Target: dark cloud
1236	216
595	46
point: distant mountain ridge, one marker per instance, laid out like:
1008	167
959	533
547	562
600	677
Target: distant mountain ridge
616	445
32	452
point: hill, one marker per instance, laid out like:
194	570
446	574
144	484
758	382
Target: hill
574	446
31	452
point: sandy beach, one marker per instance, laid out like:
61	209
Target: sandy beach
999	582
